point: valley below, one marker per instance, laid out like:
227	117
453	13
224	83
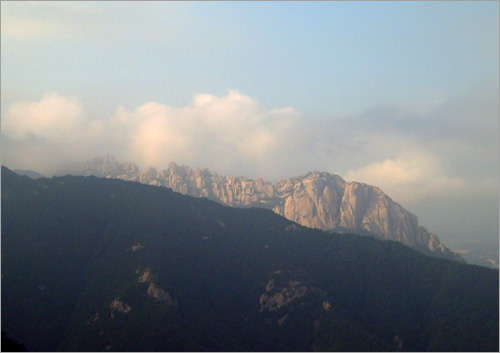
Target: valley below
478	252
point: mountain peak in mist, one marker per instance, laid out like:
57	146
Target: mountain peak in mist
318	199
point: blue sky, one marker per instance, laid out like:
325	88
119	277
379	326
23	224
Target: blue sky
321	58
402	95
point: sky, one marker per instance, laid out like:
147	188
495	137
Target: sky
401	95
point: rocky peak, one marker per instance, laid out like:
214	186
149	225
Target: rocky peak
317	199
106	166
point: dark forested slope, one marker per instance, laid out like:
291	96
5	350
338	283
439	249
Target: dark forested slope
92	264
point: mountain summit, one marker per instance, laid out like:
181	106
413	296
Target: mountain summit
317	200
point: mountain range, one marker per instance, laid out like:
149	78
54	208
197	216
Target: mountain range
318	200
96	264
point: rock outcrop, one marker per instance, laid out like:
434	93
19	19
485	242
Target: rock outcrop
274	298
282	289
159	294
119	306
146	276
317	199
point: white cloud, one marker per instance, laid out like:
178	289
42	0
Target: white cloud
44	134
233	134
410	177
52	118
236	135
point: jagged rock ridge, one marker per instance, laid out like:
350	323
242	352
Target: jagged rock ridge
317	199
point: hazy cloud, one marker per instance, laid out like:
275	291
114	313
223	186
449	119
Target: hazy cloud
52	118
456	140
111	23
233	134
237	135
409	177
50	132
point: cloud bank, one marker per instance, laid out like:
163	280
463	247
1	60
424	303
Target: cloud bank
231	134
409	176
406	154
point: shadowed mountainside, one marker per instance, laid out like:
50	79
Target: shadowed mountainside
92	264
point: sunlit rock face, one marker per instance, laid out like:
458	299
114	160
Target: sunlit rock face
317	199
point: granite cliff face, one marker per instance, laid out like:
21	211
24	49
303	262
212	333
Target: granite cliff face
318	200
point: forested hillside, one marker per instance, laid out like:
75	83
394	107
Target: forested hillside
92	264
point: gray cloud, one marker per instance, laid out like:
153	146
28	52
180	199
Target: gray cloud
460	133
